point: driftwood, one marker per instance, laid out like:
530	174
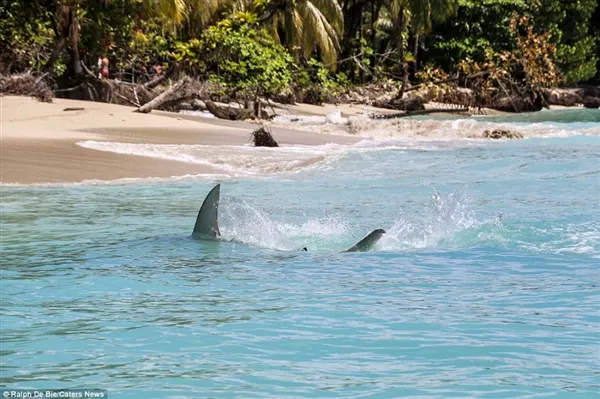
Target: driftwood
26	84
476	75
145	97
263	138
420	112
401	104
517	103
185	89
110	91
88	87
157	81
230	113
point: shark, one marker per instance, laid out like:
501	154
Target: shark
207	224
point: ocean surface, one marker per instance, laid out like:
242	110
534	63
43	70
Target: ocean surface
486	285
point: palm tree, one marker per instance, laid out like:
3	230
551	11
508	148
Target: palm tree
419	14
193	14
174	14
306	25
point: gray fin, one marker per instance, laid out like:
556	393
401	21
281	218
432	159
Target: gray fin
366	244
207	225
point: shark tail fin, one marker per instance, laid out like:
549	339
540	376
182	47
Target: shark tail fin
367	243
207	225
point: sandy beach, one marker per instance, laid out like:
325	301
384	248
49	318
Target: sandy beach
38	140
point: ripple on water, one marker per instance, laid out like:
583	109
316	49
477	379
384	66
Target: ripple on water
487	284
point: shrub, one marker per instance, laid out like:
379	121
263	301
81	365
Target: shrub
239	56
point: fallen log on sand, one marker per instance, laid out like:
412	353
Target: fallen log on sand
234	114
420	112
26	84
185	89
404	104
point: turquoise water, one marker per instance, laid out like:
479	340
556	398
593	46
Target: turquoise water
486	285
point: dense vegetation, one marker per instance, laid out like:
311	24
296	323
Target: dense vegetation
269	47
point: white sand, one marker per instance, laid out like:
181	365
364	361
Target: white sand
38	140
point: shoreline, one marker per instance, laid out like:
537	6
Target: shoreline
38	141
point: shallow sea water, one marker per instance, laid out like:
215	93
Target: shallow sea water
486	285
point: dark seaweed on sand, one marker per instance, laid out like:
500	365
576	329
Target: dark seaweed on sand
262	137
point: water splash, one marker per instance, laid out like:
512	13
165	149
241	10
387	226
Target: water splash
445	218
246	223
448	221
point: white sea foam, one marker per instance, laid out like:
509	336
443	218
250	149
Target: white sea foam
249	161
232	160
418	128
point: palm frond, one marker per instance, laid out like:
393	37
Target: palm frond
171	10
318	33
333	13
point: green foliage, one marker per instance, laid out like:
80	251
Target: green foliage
595	20
317	84
242	51
477	28
569	21
26	35
114	29
305	26
483	26
577	61
239	56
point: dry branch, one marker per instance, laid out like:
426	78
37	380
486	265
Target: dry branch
26	84
420	112
185	89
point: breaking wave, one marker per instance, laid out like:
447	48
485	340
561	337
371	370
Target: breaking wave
540	124
255	161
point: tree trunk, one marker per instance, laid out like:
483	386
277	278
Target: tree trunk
75	59
400	28
415	53
375	9
59	46
62	24
352	26
361	72
66	30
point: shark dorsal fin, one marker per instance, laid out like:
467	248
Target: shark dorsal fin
207	224
367	243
